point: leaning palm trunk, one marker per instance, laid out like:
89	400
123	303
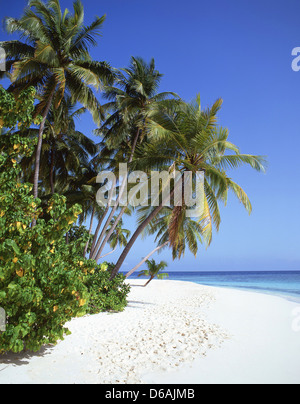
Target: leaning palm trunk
110	232
100	243
146	258
94	245
97	230
135	236
111	252
90	231
147	283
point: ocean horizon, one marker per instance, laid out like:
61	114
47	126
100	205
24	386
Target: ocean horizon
280	283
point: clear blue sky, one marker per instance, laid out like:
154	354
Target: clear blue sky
241	51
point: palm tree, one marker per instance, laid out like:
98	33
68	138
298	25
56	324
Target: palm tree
187	138
154	271
189	233
54	58
64	150
132	102
119	237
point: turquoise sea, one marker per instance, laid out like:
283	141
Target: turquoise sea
282	283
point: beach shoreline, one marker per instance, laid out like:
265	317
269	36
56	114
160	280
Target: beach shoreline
172	332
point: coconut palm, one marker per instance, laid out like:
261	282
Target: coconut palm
189	234
187	138
64	149
154	271
132	102
53	56
118	238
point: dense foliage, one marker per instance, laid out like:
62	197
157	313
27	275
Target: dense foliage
105	295
44	281
17	110
41	284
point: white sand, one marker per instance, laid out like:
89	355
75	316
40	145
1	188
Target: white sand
172	332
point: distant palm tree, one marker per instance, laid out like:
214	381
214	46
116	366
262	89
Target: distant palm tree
154	270
54	58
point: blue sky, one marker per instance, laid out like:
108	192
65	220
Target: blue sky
241	51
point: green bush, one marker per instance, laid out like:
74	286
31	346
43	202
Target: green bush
44	281
41	281
17	111
106	295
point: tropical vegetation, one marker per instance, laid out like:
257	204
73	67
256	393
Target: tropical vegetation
155	270
54	233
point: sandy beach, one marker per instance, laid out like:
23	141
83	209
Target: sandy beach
172	332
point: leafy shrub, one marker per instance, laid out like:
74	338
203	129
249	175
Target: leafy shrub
105	295
44	281
17	111
41	281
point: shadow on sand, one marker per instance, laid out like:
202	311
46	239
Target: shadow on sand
23	358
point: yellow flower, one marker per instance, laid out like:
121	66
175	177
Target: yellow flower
14	161
15	260
81	263
55	308
2	213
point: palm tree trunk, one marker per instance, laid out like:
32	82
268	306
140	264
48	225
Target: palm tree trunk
141	227
96	241
108	253
52	172
39	150
90	231
39	146
96	248
110	233
147	283
135	236
113	211
146	258
97	230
